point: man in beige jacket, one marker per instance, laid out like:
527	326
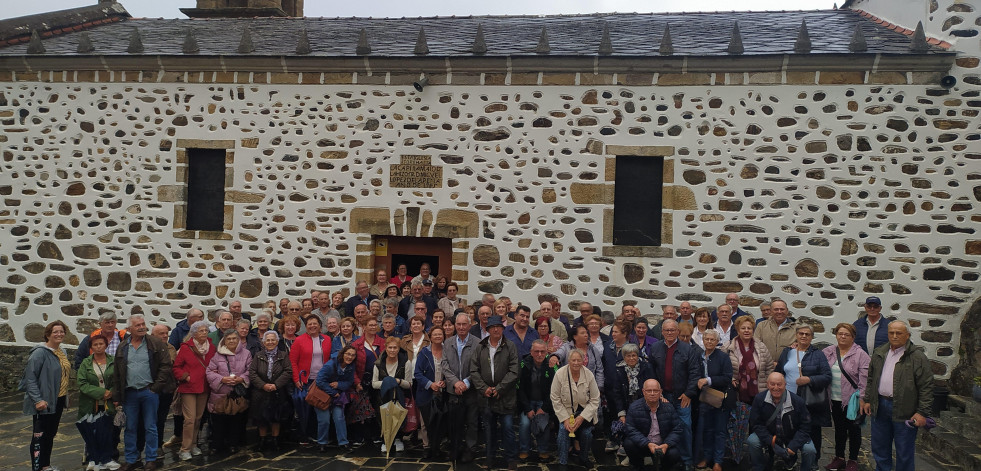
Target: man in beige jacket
777	332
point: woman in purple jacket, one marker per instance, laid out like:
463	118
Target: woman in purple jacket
848	376
228	368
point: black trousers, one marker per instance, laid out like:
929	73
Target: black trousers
845	431
637	452
42	439
436	432
163	408
226	431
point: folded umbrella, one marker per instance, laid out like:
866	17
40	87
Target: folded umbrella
392	416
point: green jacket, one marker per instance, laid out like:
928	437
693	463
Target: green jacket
912	383
89	392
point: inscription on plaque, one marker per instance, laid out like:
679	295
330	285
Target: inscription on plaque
415	171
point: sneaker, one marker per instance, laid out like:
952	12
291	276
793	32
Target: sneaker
621	452
610	446
91	466
196	451
851	465
835	464
384	448
399	446
174	441
185	455
111	465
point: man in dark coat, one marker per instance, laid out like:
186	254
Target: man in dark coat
362	296
534	387
494	373
678	367
643	439
781	425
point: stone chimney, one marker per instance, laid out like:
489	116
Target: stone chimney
245	8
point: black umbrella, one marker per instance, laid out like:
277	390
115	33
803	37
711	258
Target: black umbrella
96	429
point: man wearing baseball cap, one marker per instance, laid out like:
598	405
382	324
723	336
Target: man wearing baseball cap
870	331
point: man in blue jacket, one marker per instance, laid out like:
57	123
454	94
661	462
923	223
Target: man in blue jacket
678	367
870	330
780	424
653	429
177	336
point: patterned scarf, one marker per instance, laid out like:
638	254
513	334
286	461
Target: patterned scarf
270	359
632	372
748	371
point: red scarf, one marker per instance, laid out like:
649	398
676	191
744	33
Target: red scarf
748	371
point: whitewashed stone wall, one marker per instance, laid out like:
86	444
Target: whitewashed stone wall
821	189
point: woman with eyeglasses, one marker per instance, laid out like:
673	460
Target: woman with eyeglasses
849	368
805	365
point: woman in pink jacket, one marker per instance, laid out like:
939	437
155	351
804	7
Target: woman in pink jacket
190	368
228	369
848	375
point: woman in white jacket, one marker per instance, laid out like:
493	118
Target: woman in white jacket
575	397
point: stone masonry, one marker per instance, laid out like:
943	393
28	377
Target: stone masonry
817	187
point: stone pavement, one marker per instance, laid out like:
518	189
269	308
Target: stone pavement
15	431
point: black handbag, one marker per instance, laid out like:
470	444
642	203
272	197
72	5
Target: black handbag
812	397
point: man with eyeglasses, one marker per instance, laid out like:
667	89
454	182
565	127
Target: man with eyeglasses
653	430
870	331
678	367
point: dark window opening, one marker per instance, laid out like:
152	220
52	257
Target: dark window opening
637	201
205	189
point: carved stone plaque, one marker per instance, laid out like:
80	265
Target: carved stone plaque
415	171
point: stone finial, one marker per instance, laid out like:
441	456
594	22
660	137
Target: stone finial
667	48
803	44
422	47
190	42
858	43
363	47
35	46
245	45
303	43
736	43
543	47
84	43
835	7
606	45
919	41
479	43
135	42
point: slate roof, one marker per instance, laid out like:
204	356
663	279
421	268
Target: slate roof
631	34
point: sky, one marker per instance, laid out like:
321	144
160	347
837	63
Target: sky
414	8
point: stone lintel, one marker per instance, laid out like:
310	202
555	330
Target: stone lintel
641	151
206	143
456	224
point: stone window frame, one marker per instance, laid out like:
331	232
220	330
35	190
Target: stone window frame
180	195
672	197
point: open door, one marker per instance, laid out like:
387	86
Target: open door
390	251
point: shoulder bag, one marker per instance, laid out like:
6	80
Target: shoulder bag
853	402
811	397
317	398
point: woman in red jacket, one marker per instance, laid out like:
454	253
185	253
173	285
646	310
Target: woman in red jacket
189	371
309	353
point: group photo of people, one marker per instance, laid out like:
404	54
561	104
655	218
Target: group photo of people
404	363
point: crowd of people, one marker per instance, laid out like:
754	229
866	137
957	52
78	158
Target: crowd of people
688	389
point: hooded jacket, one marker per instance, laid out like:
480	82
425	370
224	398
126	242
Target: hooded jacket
42	380
222	364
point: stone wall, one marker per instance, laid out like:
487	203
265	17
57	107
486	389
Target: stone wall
818	187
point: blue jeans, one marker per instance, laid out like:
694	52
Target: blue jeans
585	437
323	424
884	433
524	432
684	413
758	453
141	405
502	423
710	438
